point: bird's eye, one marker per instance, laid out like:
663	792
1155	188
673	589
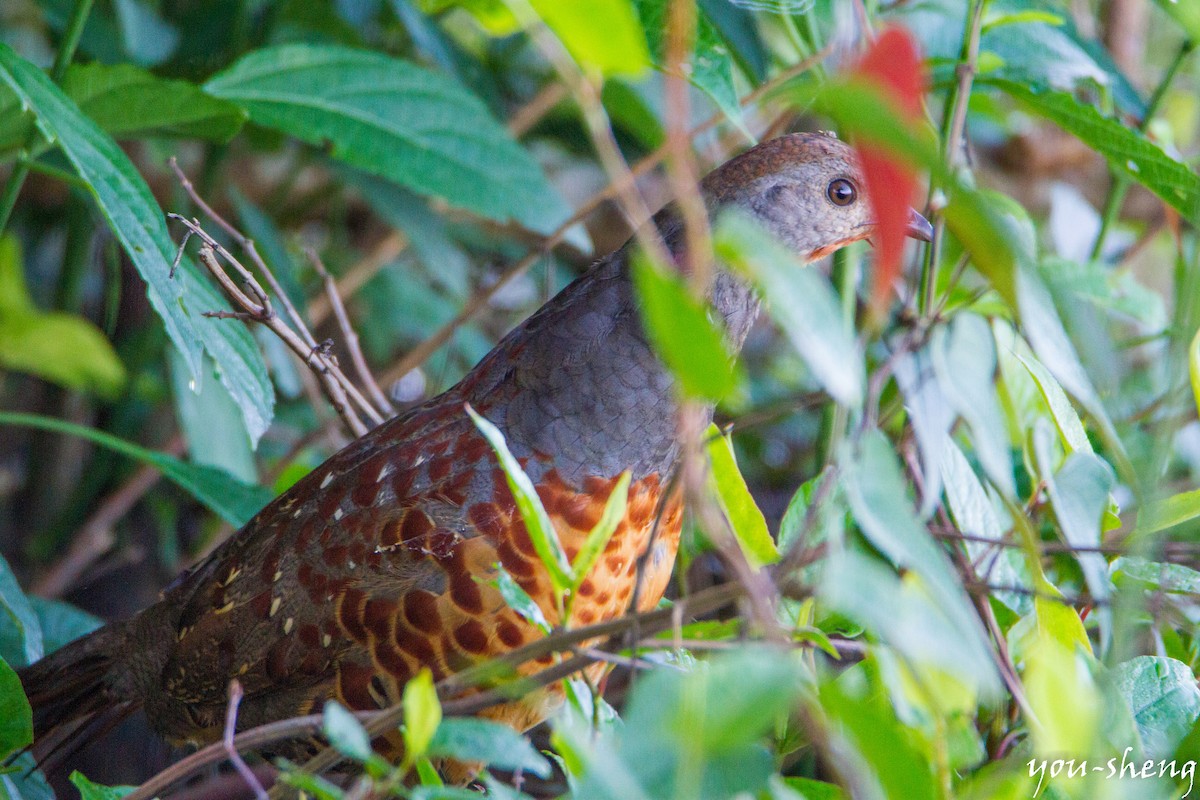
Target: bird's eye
841	192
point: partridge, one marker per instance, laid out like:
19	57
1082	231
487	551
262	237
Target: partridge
382	561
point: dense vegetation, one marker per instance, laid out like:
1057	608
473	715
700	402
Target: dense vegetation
949	546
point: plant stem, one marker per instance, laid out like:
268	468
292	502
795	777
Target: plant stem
1120	183
66	51
954	123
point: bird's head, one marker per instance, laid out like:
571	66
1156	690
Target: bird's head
806	188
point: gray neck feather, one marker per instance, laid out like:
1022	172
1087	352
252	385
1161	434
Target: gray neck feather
578	380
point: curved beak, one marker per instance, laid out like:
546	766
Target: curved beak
919	227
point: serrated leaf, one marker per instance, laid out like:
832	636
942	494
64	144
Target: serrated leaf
345	732
16	717
802	302
490	742
683	334
121	194
130	102
23	633
747	521
422	714
533	513
397	120
137	222
602	35
1127	151
229	498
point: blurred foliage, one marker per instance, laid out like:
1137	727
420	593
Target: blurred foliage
980	508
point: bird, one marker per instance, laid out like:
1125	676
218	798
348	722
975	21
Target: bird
382	561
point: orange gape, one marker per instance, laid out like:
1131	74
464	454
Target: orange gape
381	561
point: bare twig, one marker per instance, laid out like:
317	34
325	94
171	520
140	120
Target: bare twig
336	385
235	758
246	243
349	335
954	129
538	106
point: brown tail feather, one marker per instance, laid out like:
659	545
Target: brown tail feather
77	691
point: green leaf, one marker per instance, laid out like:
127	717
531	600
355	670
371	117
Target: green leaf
1194	367
1174	510
1186	14
61	348
94	791
211	422
16	717
602	35
469	739
964	359
975	516
1079	495
533	513
229	498
61	623
1164	698
1066	419
1127	151
875	488
137	222
24	781
1044	329
598	537
22	634
683	334
881	749
519	600
122	195
1165	577
397	120
802	301
747	521
422	714
148	38
810	789
129	102
711	67
345	732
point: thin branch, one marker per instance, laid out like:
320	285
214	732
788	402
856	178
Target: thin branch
349	335
247	244
335	384
954	129
235	758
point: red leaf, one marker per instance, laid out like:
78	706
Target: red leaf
894	64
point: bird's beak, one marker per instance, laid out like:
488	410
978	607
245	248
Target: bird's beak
919	227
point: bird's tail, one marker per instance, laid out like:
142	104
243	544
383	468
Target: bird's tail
79	692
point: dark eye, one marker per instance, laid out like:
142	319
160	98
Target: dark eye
841	192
